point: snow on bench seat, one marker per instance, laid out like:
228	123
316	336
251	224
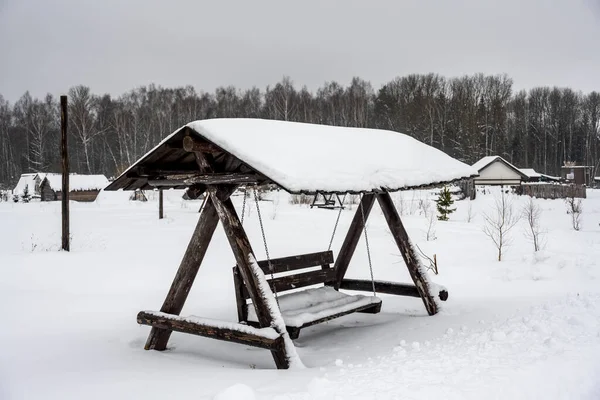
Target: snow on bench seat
302	308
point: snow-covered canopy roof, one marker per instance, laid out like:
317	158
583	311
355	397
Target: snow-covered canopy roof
305	158
77	183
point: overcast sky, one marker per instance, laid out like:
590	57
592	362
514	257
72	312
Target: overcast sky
113	46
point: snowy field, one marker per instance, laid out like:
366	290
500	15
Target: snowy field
524	328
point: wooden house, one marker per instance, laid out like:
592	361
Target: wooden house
577	174
278	297
81	187
495	170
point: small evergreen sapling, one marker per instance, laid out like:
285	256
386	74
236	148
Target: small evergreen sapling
26	196
444	202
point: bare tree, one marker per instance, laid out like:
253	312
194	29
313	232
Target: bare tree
500	222
531	213
431	219
82	113
574	209
470	213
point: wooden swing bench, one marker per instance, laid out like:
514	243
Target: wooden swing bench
308	307
201	157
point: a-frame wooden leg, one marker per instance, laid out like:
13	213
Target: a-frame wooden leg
413	263
259	290
352	237
188	268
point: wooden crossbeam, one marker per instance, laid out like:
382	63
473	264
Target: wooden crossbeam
221	179
265	338
398	289
205	179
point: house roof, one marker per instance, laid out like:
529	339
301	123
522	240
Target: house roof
530	172
77	182
29	181
304	158
488	160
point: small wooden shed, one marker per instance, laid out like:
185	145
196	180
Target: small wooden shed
217	156
577	174
83	188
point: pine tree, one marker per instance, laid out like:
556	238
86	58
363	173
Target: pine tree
25	196
444	202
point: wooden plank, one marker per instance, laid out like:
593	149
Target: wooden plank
406	249
188	269
242	251
300	261
160	183
294	331
296	281
352	237
64	153
205	329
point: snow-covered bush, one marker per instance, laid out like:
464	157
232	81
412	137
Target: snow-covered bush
532	213
574	209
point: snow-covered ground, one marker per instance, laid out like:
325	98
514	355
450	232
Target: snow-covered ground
524	328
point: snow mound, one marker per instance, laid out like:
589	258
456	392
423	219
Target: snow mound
239	391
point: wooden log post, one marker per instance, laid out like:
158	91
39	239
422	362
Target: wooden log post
188	269
64	151
160	204
352	237
242	250
411	259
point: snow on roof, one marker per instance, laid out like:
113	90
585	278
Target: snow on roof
77	182
304	157
29	181
530	172
485	161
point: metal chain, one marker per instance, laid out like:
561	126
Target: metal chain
336	222
362	211
262	230
244	203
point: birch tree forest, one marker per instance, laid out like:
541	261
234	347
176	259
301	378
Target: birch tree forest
467	117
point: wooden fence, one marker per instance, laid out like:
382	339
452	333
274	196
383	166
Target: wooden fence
552	191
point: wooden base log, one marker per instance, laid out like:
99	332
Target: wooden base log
188	269
352	237
411	259
265	338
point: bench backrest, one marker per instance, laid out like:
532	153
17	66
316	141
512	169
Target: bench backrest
297	280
